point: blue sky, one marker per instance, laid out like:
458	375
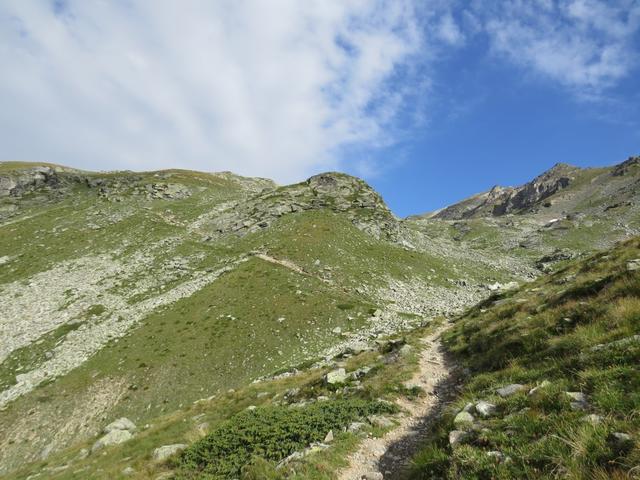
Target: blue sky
429	100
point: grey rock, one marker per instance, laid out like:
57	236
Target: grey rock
621	438
485	409
358	347
127	472
578	400
355	427
114	437
336	376
405	350
329	437
617	344
463	418
592	418
633	265
164	452
46	451
120	424
456	437
509	390
380	421
291	458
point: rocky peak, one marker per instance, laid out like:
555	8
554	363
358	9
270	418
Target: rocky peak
541	187
504	200
334	191
626	167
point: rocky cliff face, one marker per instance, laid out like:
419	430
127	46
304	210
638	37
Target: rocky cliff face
504	200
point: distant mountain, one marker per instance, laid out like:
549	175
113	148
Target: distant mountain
564	189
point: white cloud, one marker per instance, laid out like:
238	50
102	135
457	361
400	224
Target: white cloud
448	30
586	45
262	87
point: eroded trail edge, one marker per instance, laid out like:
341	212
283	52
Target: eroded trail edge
390	454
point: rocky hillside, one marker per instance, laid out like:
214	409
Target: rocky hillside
560	215
551	384
564	189
125	297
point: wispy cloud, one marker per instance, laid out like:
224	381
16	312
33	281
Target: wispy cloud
585	45
273	88
278	88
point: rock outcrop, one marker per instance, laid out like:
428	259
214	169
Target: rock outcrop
20	182
334	191
503	200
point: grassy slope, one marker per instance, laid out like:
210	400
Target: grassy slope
189	423
198	346
546	332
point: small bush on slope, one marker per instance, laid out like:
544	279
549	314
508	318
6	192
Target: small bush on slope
575	330
270	433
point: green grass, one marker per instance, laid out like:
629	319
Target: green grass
546	332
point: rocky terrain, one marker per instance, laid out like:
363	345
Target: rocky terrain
133	295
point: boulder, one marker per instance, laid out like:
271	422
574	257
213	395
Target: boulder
633	265
456	437
114	437
621	438
358	347
336	376
592	418
509	390
120	424
617	344
578	400
463	418
380	421
485	409
355	427
162	453
329	437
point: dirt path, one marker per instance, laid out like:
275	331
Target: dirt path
390	454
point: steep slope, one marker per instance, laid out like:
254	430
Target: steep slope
552	387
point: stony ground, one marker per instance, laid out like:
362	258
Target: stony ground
387	456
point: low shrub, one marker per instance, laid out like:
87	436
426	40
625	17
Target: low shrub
269	433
